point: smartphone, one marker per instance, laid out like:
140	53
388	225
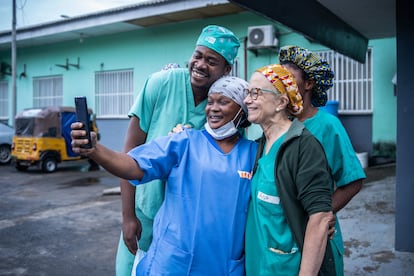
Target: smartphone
83	116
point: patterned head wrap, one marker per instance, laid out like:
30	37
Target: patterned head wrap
284	82
221	40
233	88
314	66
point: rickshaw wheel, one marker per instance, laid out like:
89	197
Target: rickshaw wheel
49	165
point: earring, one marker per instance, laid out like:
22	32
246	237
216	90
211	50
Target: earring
277	109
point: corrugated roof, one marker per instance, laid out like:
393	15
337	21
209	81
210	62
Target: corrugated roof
116	20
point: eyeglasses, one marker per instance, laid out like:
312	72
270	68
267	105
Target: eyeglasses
255	92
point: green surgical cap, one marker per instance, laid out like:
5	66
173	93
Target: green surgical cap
221	40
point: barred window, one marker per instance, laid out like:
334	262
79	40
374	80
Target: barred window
114	93
48	91
352	83
4	96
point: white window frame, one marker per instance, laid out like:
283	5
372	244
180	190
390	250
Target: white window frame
353	83
48	91
4	99
114	93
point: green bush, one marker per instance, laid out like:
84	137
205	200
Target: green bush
384	149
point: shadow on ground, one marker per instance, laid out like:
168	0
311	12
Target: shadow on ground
379	172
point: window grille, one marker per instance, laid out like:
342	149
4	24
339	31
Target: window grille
47	91
114	93
4	96
352	83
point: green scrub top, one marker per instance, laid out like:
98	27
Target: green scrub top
270	246
342	159
165	100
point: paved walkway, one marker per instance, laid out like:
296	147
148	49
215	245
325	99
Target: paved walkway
368	226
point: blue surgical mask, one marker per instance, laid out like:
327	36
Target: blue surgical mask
226	130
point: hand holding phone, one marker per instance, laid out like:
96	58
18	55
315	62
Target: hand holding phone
83	117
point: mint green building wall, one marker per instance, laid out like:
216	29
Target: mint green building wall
385	101
147	50
144	51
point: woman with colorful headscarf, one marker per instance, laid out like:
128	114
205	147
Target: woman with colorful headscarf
200	227
314	78
288	217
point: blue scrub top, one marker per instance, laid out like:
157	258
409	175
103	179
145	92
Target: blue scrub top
199	229
165	100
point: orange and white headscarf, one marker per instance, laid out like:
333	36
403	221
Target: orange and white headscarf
284	82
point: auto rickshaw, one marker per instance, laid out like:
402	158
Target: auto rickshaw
42	138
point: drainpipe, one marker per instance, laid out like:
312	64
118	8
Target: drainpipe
245	58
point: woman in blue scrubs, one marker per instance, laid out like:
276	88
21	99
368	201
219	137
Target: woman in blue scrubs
199	229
